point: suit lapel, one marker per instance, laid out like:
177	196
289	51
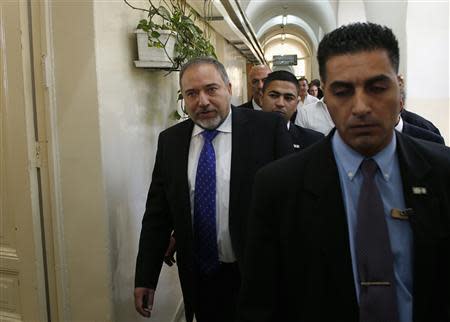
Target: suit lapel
297	140
417	190
421	197
180	153
240	143
322	180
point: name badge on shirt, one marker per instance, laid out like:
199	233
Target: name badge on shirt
419	190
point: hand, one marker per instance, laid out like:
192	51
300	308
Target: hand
143	300
171	249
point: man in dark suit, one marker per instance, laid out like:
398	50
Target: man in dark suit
201	189
418	132
415	125
257	75
413	118
356	227
417	120
421	133
280	95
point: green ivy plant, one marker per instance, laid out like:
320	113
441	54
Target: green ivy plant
179	19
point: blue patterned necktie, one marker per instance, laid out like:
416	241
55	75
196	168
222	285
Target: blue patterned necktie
205	235
377	298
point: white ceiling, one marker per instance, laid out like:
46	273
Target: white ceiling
241	22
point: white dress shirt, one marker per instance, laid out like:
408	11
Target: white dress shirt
399	126
309	99
316	117
256	107
222	148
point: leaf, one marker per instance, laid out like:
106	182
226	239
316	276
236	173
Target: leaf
143	25
155	34
164	13
175	115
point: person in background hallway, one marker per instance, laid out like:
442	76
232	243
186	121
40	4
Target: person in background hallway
201	190
316	83
280	95
415	125
315	116
313	90
305	98
413	118
257	75
356	227
417	132
419	121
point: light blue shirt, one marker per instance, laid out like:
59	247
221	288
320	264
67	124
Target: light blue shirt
389	183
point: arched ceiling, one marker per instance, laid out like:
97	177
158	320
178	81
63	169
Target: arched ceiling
306	19
290	38
315	13
294	26
248	24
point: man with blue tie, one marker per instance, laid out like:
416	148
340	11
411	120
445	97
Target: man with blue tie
201	190
363	232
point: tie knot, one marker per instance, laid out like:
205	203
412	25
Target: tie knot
209	135
369	168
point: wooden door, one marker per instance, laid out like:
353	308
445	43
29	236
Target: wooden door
26	278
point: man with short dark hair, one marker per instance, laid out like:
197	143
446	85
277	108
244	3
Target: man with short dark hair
280	95
305	98
362	232
201	190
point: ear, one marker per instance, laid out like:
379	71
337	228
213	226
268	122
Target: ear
401	82
229	88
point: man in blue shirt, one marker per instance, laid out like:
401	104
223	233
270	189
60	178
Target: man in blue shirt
311	256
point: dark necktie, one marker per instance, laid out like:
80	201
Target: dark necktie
205	235
377	298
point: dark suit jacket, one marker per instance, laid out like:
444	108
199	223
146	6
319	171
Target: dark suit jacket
421	133
257	139
302	138
417	120
298	263
248	105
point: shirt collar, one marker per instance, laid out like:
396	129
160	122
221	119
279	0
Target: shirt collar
256	107
322	103
351	160
399	126
224	127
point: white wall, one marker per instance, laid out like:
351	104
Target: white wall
428	62
235	65
350	11
393	15
83	248
134	105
